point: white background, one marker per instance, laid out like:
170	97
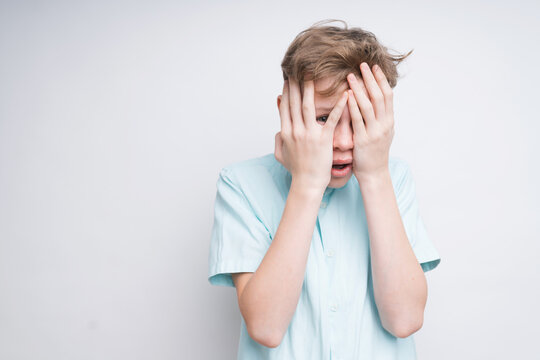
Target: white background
116	117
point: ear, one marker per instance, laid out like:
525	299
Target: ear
278	101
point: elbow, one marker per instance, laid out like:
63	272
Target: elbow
261	330
271	343
405	329
265	336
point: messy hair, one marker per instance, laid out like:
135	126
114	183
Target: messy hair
329	51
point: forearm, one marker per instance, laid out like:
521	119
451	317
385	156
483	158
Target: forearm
399	283
270	297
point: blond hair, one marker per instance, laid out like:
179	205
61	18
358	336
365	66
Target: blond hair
329	51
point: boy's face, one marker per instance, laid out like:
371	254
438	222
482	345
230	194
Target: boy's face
343	133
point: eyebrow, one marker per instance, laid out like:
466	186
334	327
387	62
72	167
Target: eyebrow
324	108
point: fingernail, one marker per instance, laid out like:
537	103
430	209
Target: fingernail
376	68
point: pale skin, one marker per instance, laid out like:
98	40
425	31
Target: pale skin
360	126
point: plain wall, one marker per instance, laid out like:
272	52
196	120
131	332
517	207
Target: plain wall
116	117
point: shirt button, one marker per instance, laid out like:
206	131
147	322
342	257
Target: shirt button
330	253
323	204
333	307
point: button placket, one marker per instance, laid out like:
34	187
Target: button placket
329	252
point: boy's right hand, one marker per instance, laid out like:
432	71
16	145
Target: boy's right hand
303	146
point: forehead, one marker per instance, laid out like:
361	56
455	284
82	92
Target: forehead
327	102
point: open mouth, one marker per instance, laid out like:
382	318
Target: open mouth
340	166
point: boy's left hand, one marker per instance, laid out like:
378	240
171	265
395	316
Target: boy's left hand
371	109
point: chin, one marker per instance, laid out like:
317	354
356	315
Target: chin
338	182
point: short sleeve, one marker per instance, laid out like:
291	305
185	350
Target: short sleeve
423	248
239	239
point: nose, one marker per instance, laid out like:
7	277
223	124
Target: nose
343	134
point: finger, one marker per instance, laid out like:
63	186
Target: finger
308	104
295	107
284	114
362	99
356	116
385	88
335	114
375	93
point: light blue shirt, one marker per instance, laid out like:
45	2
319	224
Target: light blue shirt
336	317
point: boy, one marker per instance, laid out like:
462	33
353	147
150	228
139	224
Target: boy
323	239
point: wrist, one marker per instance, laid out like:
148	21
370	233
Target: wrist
372	178
307	189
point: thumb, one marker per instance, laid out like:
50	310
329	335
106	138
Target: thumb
278	146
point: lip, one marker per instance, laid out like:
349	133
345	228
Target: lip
342	161
342	172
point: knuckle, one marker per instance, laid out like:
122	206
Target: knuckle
285	135
297	113
378	97
297	135
292	102
368	107
377	133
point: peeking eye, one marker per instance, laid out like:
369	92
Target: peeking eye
322	118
